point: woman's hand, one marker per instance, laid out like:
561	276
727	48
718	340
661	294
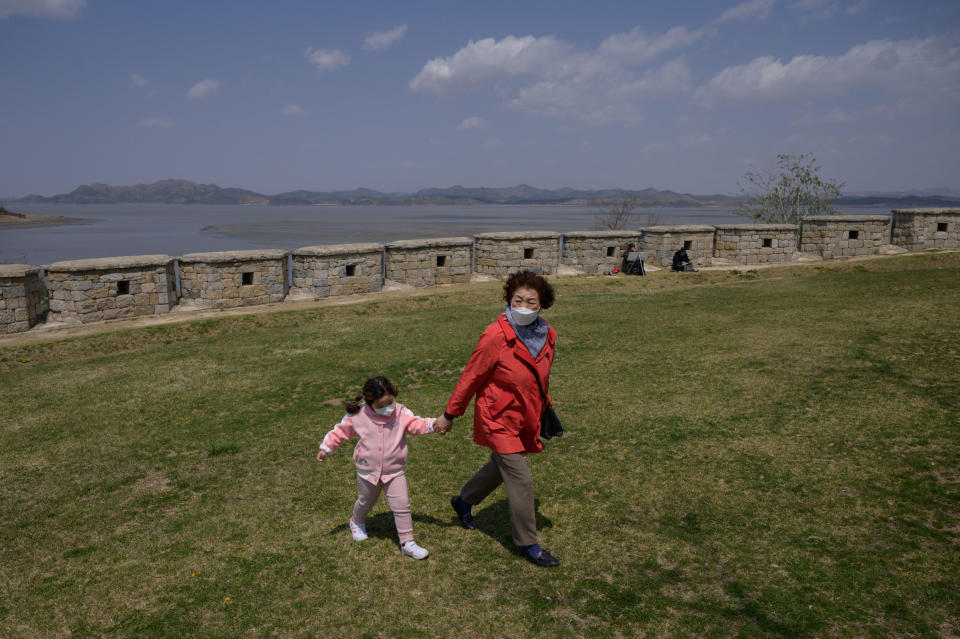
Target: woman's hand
443	425
320	456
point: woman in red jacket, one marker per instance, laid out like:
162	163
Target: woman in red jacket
506	416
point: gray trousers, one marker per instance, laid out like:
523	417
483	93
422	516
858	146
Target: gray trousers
511	471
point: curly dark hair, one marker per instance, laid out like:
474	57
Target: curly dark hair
529	279
373	389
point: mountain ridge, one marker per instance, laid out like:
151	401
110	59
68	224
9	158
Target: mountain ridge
178	191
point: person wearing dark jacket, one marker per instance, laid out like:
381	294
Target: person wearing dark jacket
681	260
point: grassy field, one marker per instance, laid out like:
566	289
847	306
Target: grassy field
771	453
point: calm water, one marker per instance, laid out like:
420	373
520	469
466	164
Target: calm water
124	229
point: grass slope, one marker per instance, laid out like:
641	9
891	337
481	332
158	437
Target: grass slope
770	453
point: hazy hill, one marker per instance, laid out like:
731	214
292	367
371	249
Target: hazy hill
520	194
187	192
901	202
162	192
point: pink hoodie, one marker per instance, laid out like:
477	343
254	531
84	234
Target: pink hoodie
382	450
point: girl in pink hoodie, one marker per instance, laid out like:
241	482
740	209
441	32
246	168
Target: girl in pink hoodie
382	426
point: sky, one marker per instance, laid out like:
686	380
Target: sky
399	96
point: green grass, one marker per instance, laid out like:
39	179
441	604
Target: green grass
773	453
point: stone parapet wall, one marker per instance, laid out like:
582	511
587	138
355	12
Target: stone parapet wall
94	290
834	236
85	291
341	269
597	251
755	243
921	229
661	242
230	279
499	254
422	263
21	298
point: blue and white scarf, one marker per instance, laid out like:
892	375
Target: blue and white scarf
533	335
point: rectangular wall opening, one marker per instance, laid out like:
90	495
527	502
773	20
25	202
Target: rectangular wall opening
853	235
941	227
768	242
441	260
610	252
687	245
246	279
123	288
528	253
351	270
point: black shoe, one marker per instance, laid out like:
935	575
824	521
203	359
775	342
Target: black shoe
466	519
544	560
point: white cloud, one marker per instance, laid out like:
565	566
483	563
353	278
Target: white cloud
821	9
63	9
137	80
293	109
759	9
636	47
483	61
203	89
550	77
857	8
930	66
381	40
474	123
673	78
159	122
836	115
327	59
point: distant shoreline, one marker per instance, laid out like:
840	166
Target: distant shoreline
33	221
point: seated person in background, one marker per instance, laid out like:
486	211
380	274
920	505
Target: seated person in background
625	265
681	261
632	262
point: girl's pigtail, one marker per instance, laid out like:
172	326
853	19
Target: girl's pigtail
353	407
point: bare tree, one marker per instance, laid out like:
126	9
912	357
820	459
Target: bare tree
614	216
653	219
786	197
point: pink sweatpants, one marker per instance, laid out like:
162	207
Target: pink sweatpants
397	499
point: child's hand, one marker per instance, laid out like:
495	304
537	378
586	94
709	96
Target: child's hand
320	456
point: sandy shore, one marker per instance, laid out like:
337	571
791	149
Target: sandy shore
30	221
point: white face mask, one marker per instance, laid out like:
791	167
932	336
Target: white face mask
524	316
386	410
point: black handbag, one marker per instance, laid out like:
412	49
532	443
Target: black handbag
550	425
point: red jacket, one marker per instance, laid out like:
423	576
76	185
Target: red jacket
506	417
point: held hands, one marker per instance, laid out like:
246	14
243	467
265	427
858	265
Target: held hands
443	425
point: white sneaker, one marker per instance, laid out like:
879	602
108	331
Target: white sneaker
358	531
411	549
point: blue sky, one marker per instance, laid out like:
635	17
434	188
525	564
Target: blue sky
398	96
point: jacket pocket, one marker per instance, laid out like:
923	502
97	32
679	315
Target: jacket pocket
502	402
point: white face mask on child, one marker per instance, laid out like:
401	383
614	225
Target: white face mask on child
386	410
524	316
